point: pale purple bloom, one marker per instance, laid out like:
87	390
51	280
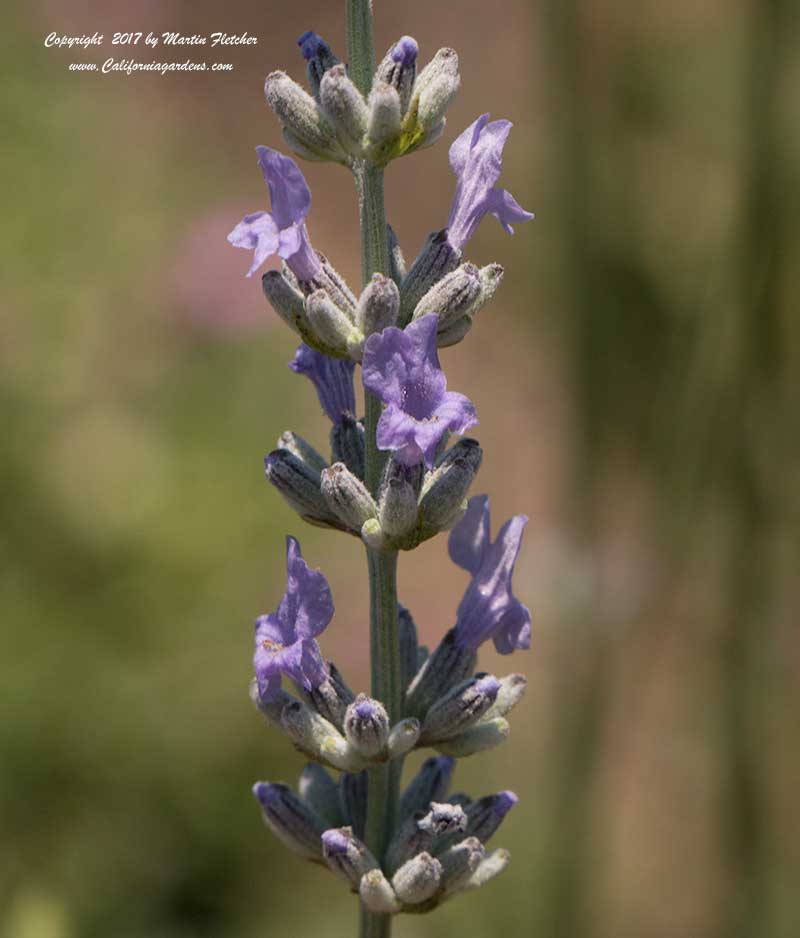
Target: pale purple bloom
285	639
282	230
405	51
476	157
332	378
402	368
488	608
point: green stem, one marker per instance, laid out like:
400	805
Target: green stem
383	780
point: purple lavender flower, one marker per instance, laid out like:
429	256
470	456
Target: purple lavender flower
405	51
402	368
476	157
282	230
285	639
332	378
488	608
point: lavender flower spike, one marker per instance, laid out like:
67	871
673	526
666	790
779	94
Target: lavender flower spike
282	230
476	157
488	608
332	379
402	368
285	639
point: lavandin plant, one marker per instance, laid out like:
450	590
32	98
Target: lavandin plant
393	481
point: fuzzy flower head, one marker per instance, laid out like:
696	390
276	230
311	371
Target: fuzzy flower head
488	608
401	367
476	157
285	639
282	230
332	378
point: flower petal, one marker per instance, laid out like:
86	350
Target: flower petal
259	233
307	605
469	539
506	209
290	196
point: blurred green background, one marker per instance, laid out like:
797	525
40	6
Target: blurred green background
637	383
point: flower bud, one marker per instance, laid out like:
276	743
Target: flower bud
331	698
449	664
397	510
331	326
403	737
398	69
397	262
319	59
291	819
299	114
486	815
459	708
436	86
347	497
459	862
366	726
333	283
287	300
452	297
376	893
318	738
347	444
346	855
407	641
491	866
429	784
378	305
417	879
344	106
421	831
512	690
486	734
385	118
353	800
303	450
436	259
319	790
444	489
490	278
372	535
299	484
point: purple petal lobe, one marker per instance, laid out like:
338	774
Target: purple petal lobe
332	379
469	539
405	51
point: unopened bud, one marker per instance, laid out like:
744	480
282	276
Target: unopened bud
303	450
459	708
376	893
319	59
378	305
417	879
346	855
459	862
372	535
449	664
444	489
366	726
286	299
347	497
491	866
436	86
345	108
347	444
490	279
399	68
452	297
436	259
429	784
330	325
299	114
291	819
512	690
421	831
331	698
318	789
403	737
485	815
319	738
397	511
385	118
485	734
299	484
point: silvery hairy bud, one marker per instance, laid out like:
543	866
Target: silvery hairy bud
417	879
490	278
429	784
436	259
485	734
319	59
353	800
376	893
385	119
366	726
347	444
329	280
331	698
441	502
449	664
299	484
403	737
407	642
347	496
303	450
378	305
512	690
397	262
459	862
318	789
346	855
491	866
398	69
485	815
331	326
344	106
436	86
291	819
452	297
459	708
289	303
319	738
303	122
397	509
421	831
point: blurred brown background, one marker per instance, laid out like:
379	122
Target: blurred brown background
637	384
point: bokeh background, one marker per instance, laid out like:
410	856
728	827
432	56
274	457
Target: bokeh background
637	383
